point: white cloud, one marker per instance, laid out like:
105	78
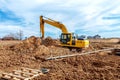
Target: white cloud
75	14
28	31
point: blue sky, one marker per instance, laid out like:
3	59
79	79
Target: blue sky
83	17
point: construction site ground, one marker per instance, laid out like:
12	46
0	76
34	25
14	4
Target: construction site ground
32	52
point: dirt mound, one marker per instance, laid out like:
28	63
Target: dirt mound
27	46
33	40
48	41
34	45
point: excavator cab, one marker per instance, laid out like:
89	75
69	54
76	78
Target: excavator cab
65	38
68	38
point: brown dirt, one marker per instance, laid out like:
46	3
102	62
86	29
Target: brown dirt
31	53
49	41
109	40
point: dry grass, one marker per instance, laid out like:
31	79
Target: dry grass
105	40
8	43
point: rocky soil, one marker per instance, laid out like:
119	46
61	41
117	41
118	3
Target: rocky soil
31	53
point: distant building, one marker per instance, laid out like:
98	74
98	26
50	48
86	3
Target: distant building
97	36
8	38
94	37
90	37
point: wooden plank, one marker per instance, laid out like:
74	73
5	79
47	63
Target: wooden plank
11	76
22	74
64	56
32	77
25	73
29	69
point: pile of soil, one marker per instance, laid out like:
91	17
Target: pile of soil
27	46
38	46
48	45
48	41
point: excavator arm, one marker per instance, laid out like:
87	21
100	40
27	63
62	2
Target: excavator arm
66	39
53	23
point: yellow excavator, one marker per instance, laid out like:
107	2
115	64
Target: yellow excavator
67	39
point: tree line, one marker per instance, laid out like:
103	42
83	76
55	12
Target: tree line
13	36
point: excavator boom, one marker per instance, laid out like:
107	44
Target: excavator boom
53	23
67	39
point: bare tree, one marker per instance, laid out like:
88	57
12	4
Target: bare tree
19	35
16	36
